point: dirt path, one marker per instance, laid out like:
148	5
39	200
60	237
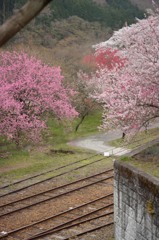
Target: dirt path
100	142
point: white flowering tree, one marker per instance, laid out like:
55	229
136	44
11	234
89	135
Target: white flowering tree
130	94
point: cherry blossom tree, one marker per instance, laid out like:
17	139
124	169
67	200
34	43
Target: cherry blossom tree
29	91
103	60
85	83
130	94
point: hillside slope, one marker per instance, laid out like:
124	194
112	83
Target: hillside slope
64	43
112	13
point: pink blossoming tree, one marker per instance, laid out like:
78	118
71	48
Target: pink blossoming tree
29	91
130	94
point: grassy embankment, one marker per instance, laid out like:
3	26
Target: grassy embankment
29	160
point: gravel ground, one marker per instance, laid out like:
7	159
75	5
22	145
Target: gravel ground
19	219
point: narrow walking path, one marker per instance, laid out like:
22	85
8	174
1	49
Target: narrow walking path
100	142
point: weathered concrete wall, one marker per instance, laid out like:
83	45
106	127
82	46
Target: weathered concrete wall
136	203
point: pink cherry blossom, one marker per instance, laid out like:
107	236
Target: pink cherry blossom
29	91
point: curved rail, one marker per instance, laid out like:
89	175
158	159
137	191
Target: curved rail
60	227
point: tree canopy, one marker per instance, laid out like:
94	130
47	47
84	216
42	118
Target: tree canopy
130	93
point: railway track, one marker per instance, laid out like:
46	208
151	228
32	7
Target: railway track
35	181
82	214
68	188
79	206
43	173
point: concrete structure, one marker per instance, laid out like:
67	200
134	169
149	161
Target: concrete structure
136	203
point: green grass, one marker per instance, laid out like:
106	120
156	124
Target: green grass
89	126
125	158
147	160
29	160
61	134
148	167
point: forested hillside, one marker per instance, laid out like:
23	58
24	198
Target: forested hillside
112	14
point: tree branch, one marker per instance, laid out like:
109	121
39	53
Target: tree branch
21	18
148	105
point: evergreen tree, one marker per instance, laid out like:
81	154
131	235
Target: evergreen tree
114	15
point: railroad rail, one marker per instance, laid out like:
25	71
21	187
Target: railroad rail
67	223
82	214
87	214
46	172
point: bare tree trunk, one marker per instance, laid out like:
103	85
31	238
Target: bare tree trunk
123	136
81	121
23	16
